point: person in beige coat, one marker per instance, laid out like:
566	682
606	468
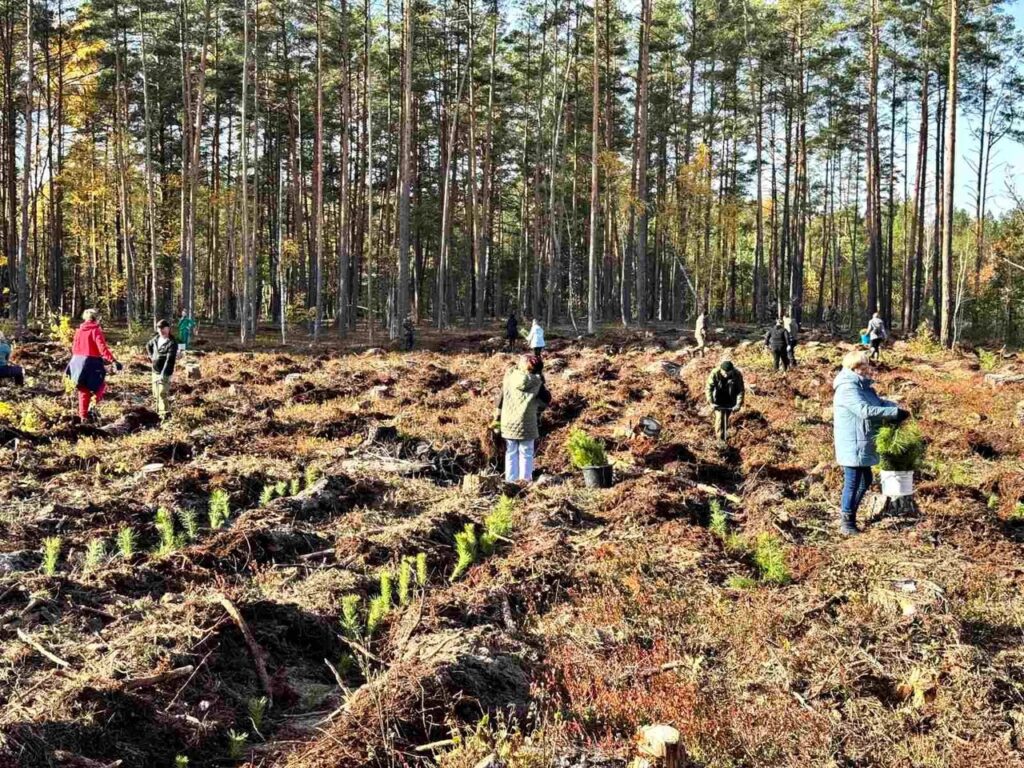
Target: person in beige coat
518	415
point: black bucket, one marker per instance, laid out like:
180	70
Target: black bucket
598	477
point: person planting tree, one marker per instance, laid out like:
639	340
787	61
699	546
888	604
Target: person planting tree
724	392
163	352
517	414
7	370
87	369
858	413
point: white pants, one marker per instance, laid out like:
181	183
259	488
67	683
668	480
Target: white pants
518	460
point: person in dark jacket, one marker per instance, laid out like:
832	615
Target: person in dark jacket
89	356
410	334
724	392
163	352
512	331
8	371
858	412
779	341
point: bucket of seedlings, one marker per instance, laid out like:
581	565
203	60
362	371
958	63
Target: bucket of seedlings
900	450
587	454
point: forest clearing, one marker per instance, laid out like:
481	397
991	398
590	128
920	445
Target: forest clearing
294	602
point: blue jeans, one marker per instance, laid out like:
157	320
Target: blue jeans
856	482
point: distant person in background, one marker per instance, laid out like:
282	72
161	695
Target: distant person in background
858	412
87	369
512	331
187	328
410	334
792	327
8	371
163	353
535	340
700	333
831	319
877	334
724	392
778	342
518	415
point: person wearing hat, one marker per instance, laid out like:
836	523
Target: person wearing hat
163	352
724	393
8	371
87	370
521	400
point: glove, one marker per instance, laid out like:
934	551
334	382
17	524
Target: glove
902	415
118	366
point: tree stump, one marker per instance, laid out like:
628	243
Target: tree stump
660	742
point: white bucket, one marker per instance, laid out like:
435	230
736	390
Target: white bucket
896	484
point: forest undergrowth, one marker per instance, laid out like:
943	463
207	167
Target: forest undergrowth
314	564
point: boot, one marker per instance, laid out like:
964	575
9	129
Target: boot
848	524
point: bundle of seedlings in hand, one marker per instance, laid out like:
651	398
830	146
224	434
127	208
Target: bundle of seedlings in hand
900	447
585	451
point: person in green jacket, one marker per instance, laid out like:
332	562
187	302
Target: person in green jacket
521	401
724	391
186	327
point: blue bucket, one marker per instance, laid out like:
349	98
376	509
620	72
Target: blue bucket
865	338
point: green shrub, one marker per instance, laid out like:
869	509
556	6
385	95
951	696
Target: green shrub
62	331
585	451
165	529
466	548
900	448
126	542
497	525
95	554
51	554
220	508
770	559
350	622
740	582
987	360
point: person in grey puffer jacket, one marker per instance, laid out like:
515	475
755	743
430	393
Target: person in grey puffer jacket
858	412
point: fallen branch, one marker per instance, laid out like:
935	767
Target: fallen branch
254	648
157	679
715	491
668	666
30	642
356	646
83	762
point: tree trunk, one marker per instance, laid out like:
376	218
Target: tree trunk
947	334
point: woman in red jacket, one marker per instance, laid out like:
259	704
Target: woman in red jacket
89	353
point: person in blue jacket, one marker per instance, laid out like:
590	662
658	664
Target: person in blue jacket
858	412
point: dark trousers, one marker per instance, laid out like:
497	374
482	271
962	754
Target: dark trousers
780	357
856	482
876	349
13	372
537	351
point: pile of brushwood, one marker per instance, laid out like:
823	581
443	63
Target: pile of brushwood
314	563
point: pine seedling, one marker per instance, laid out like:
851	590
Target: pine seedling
900	447
405	581
497	525
350	616
386	588
1018	512
295	486
770	560
280	490
421	569
312	474
257	709
719	524
51	554
189	523
165	528
585	451
220	508
180	761
267	494
95	554
236	744
466	548
126	542
378	610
